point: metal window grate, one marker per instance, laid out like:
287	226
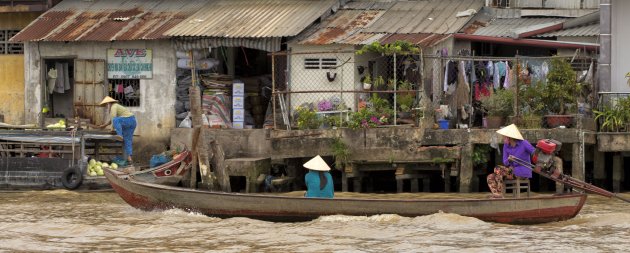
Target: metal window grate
10	48
126	91
320	63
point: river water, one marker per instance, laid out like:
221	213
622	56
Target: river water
61	221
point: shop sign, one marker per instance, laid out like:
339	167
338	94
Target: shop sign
123	63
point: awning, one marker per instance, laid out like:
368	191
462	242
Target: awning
264	44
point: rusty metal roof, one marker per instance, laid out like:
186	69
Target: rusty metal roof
363	22
108	20
425	16
253	19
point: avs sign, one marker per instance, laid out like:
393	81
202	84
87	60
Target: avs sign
125	63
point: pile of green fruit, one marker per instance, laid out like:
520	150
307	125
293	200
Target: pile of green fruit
95	168
60	124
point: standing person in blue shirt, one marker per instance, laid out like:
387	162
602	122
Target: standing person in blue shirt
319	183
122	121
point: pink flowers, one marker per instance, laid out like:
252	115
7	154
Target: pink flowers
324	105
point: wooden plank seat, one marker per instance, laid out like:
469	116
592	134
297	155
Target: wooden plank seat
516	186
250	168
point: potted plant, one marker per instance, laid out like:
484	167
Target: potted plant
614	118
562	89
307	118
405	99
367	82
498	106
531	106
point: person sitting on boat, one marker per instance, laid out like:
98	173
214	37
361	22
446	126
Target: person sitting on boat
319	183
515	145
123	122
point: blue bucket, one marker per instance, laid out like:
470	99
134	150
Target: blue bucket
443	124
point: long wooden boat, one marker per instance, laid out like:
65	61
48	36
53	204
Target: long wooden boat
150	196
170	173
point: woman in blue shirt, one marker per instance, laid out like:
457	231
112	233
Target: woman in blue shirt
319	183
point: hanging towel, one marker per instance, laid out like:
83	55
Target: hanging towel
59	84
445	88
66	77
506	81
52	80
495	77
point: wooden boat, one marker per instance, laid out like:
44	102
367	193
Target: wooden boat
170	173
148	196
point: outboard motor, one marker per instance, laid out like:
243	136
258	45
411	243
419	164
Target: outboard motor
546	149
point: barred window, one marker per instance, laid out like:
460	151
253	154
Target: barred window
126	91
320	63
7	47
501	3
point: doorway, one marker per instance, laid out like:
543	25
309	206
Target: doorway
59	88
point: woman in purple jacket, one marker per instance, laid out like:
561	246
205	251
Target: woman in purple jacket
515	145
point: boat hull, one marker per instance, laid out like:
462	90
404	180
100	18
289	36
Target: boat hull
148	196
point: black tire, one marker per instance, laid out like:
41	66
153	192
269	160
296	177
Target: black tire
72	178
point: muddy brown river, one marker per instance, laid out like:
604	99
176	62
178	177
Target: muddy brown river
68	221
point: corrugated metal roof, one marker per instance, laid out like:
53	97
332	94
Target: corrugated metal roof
252	19
428	16
108	20
580	31
368	5
340	26
505	27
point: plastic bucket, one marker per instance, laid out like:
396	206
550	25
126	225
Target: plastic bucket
443	124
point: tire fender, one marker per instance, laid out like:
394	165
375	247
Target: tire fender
72	178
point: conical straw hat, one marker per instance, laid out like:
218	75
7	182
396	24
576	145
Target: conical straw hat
511	131
317	163
108	99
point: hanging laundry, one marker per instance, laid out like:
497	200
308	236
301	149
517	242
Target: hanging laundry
52	80
119	88
445	86
60	84
66	77
129	92
506	81
544	71
496	77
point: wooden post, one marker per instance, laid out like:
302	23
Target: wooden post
466	168
599	169
616	172
193	171
223	178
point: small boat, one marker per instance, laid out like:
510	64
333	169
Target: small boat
170	173
150	195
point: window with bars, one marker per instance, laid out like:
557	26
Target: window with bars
320	63
7	47
501	3
126	91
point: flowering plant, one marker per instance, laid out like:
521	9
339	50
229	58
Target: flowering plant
367	118
324	105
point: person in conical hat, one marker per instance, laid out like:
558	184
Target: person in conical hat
513	145
319	183
123	122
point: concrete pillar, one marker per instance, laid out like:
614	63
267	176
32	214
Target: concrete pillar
599	168
605	41
616	172
577	162
466	168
